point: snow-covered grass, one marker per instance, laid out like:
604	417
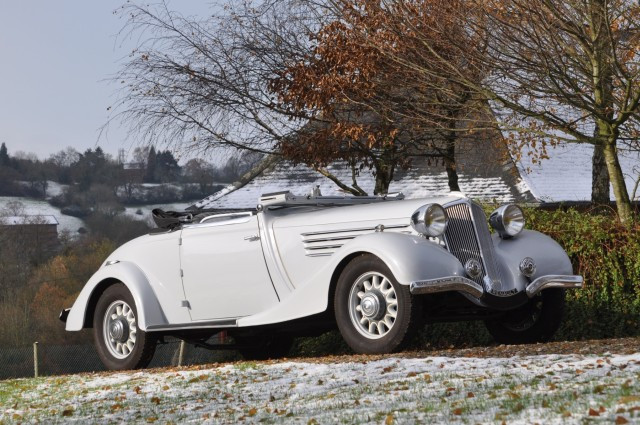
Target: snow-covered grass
543	389
39	207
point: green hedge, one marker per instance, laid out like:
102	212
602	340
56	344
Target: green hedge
608	256
606	253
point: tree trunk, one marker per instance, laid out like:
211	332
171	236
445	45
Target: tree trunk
450	138
384	175
623	202
450	163
600	190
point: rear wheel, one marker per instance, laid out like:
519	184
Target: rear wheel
119	342
536	321
375	314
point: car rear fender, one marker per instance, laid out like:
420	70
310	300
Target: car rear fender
147	305
410	258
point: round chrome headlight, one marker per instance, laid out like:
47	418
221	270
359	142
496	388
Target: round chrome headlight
508	220
430	220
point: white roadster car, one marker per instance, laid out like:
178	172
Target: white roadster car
375	267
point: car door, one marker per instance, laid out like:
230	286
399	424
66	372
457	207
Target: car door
223	269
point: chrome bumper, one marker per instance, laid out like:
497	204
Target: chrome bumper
553	281
445	284
462	284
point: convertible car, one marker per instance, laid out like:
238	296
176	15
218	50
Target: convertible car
375	267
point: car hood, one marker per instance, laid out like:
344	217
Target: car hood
384	211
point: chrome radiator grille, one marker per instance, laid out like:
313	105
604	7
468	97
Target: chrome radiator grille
468	237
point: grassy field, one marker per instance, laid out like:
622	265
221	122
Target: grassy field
542	389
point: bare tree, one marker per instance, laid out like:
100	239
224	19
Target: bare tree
200	85
560	71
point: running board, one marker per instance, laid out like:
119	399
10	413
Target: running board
212	324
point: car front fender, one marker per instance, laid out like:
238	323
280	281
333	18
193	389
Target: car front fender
147	305
550	258
410	258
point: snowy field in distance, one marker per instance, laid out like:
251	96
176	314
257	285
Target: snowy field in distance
39	207
543	389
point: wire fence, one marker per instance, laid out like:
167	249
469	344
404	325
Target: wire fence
47	360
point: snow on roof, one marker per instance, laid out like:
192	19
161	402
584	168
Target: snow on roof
566	175
418	182
27	220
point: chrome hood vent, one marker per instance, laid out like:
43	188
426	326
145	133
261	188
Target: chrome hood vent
325	243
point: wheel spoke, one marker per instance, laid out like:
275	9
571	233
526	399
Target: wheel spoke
376	281
388	320
120	315
381	298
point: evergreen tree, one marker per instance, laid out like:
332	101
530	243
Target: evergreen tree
150	172
4	156
167	168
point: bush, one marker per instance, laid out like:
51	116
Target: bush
119	228
607	254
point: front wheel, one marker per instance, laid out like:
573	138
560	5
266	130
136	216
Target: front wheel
375	314
119	342
536	321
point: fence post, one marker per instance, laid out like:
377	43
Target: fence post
181	353
35	359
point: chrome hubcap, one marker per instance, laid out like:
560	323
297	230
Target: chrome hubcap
373	305
119	329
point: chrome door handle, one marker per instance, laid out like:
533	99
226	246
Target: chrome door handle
252	238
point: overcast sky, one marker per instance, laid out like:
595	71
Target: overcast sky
54	59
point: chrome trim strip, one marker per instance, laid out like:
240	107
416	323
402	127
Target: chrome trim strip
235	215
320	254
222	323
230	220
554	281
361	229
313	248
330	239
445	284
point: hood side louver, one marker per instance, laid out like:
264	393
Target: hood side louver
325	243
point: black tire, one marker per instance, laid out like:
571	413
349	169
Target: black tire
408	309
144	345
264	347
536	321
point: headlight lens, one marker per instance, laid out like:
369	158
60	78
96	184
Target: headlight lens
508	220
430	220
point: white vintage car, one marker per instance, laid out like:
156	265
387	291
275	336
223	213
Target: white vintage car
377	267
